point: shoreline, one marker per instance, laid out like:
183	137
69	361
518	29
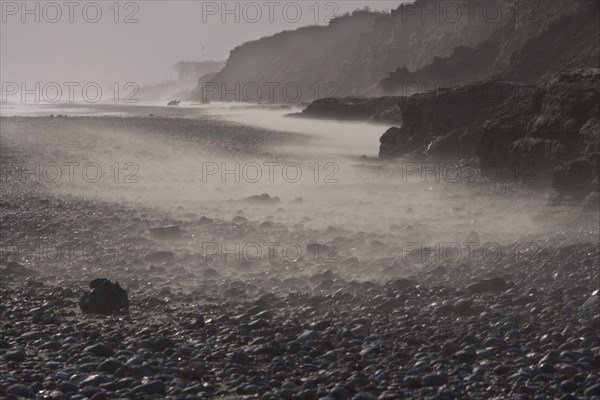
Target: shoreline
354	312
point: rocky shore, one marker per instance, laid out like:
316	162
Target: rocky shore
363	327
445	332
220	251
549	130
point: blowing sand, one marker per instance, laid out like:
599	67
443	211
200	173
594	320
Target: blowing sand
346	281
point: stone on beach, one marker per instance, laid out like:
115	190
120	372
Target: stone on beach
160	257
106	297
487	285
165	232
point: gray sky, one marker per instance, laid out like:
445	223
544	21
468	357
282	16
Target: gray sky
75	49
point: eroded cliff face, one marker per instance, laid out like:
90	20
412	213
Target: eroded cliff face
569	42
534	39
350	55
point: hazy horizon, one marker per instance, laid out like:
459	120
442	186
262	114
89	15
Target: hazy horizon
75	50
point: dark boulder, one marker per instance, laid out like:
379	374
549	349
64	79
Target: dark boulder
210	273
20	390
205	221
13	268
99	350
400	283
241	358
160	257
263	199
106	298
15	356
163	343
165	233
488	285
151	388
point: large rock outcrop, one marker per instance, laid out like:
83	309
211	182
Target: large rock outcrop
552	128
554	132
551	125
377	109
454	114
